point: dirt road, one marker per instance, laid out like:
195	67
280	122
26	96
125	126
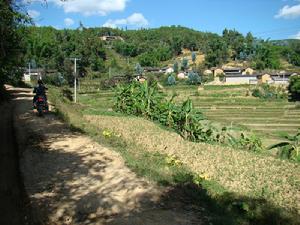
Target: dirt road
12	206
70	179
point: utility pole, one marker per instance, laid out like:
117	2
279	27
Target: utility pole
75	77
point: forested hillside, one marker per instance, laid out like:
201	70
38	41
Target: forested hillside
50	48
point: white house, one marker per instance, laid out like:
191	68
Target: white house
169	70
33	74
181	76
240	79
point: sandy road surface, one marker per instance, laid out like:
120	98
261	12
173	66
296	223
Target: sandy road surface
70	179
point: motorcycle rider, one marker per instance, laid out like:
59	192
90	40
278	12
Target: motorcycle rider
40	90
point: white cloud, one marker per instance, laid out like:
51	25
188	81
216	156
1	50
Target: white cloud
289	12
33	13
136	19
68	22
296	36
91	7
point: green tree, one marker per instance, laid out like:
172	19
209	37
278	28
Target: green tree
294	87
266	57
171	80
217	53
175	67
176	45
12	46
185	64
138	69
194	57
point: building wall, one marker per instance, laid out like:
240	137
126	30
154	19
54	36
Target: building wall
281	82
27	77
241	80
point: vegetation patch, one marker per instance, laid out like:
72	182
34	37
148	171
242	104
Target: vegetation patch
253	179
266	91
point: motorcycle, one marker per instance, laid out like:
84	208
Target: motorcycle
41	105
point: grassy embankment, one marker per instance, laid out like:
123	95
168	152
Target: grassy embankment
235	185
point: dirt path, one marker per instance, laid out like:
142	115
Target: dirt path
70	179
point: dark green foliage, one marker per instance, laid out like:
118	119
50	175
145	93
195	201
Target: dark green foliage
12	45
248	143
145	100
289	149
266	56
126	49
235	43
194	78
194	57
175	67
184	64
266	91
171	80
294	88
148	59
217	53
51	48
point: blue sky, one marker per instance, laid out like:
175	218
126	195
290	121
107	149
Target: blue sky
275	19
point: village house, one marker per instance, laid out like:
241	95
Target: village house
32	74
248	76
169	70
111	38
275	78
240	79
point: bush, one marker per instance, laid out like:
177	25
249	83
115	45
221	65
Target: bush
248	143
194	78
145	100
294	88
171	80
290	148
266	91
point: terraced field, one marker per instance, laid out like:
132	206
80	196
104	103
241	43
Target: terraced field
227	105
230	105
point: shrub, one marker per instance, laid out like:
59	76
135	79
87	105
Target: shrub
171	80
266	91
248	143
194	78
294	88
145	100
290	148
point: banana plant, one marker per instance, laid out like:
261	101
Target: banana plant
290	148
